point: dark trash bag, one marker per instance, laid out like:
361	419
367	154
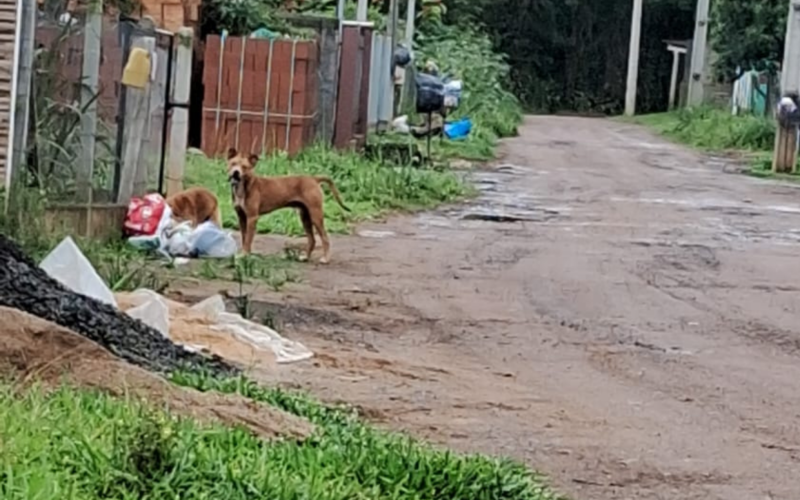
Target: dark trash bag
430	93
402	56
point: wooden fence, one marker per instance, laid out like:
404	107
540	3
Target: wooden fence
259	95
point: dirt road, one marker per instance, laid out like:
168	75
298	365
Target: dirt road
627	323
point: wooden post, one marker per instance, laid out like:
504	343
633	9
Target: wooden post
340	4
633	59
179	127
695	92
92	39
677	52
673	79
785	156
138	106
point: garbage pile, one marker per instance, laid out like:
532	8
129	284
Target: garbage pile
150	225
436	97
29	288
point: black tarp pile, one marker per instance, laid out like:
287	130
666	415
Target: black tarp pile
25	286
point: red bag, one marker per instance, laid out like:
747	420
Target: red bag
144	215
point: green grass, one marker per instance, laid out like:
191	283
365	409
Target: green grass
716	130
712	129
78	445
368	188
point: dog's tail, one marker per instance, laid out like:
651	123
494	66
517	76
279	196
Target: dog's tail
334	191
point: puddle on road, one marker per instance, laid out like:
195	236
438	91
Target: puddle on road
501	201
375	234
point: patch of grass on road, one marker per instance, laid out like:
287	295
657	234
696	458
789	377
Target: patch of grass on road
79	445
368	188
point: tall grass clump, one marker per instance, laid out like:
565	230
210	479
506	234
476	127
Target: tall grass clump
77	445
714	129
368	188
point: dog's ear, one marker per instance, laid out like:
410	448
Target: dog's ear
232	153
253	159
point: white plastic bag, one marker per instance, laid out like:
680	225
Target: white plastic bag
208	240
400	125
177	239
67	265
259	336
152	310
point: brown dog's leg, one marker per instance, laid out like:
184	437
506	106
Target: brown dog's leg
318	219
308	226
250	234
242	227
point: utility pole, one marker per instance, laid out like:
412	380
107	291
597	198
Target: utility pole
633	59
411	17
785	157
697	75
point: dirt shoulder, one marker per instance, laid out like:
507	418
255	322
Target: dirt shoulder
614	310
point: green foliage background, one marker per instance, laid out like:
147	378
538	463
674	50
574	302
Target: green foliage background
749	34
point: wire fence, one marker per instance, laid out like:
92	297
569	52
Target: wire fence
62	98
81	129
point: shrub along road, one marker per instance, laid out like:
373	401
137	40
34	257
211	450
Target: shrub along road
633	336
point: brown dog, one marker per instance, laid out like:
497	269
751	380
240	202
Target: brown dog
196	205
255	196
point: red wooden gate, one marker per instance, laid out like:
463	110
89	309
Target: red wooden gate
260	95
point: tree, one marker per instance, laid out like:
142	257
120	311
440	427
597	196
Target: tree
748	34
572	54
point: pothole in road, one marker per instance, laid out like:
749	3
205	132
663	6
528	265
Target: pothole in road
502	200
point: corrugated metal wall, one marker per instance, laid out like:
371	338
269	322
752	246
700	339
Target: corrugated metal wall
381	85
8	25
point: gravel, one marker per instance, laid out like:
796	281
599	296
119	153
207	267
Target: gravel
25	286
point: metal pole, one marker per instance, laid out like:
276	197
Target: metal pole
340	10
22	76
633	59
361	11
126	32
167	109
698	62
179	128
410	19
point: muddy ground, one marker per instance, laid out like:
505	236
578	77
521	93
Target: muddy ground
625	322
